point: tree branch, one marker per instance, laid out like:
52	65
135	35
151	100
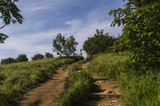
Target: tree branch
2	27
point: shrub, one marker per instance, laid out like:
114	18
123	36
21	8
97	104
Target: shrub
8	60
48	55
99	43
38	56
21	58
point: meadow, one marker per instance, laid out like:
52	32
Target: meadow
18	78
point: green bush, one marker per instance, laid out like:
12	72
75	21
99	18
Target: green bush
8	60
48	55
22	58
38	56
98	43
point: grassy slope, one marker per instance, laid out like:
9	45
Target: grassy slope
76	88
16	79
137	90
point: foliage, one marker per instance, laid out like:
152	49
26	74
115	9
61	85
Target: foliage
64	46
8	60
16	79
38	56
48	55
22	58
141	31
141	90
99	43
9	13
76	89
136	89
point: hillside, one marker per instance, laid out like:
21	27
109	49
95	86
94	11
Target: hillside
105	80
16	79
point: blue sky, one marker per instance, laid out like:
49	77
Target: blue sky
44	19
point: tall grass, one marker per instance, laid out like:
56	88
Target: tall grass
141	90
109	65
18	78
77	87
137	89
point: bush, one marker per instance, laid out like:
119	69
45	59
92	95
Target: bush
99	43
38	56
8	60
48	55
21	58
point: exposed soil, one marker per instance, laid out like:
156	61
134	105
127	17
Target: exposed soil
106	93
47	93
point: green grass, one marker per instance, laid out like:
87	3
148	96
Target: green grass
141	90
77	87
137	89
108	66
18	78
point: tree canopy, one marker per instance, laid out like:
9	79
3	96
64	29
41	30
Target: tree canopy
38	56
98	43
141	30
64	46
9	13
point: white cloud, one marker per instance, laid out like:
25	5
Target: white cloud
39	8
41	42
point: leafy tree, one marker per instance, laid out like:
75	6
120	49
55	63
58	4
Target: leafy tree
8	60
141	30
9	13
48	55
22	58
38	56
98	43
64	46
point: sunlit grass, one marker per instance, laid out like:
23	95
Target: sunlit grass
137	89
18	78
77	87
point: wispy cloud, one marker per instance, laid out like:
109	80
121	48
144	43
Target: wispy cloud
39	8
39	29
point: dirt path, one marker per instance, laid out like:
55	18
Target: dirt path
107	93
46	93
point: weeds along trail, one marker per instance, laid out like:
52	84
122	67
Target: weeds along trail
46	93
105	93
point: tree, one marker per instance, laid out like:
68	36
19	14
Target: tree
8	60
38	56
98	43
48	55
22	58
64	46
141	30
9	13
